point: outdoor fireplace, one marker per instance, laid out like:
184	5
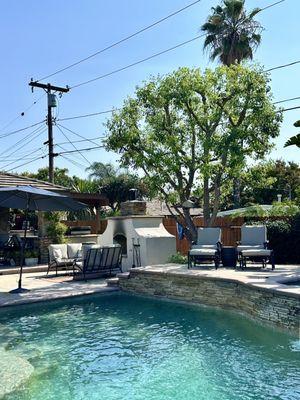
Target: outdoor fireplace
144	239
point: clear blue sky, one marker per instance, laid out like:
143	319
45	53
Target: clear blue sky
39	37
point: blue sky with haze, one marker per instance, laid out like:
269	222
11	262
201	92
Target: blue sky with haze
39	37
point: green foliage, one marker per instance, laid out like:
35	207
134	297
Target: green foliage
262	182
231	33
189	131
31	254
55	229
177	258
61	176
283	237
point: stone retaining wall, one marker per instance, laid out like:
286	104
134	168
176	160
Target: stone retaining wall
266	305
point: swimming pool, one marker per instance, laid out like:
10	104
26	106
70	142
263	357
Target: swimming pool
125	347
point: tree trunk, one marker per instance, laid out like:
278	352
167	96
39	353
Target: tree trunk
206	208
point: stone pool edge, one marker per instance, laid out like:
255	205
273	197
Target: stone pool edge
267	305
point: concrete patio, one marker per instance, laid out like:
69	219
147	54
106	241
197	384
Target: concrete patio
43	288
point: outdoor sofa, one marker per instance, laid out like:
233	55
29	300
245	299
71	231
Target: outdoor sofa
254	246
99	261
207	247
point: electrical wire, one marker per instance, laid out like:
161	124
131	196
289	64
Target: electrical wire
271	5
120	41
87	115
282	66
73	145
25	138
82	140
22	129
29	162
22	113
137	62
286	100
77	134
75	151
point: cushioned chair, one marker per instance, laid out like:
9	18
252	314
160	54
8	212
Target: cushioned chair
62	256
208	247
254	246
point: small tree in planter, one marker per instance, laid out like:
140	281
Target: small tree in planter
55	230
31	257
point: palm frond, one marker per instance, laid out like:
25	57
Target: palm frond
293	141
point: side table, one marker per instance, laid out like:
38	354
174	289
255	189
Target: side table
229	256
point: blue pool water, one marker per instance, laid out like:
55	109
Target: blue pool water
117	347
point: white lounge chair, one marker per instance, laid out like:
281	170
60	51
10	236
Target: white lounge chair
208	247
254	246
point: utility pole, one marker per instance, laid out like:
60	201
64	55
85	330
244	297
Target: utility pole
51	103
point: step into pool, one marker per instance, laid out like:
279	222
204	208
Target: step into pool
120	346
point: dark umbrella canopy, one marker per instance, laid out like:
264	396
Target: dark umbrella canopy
30	198
34	199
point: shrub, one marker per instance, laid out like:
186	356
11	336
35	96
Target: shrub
178	258
284	239
55	229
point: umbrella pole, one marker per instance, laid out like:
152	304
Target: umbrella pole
23	250
19	288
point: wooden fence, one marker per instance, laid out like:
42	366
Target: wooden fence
231	229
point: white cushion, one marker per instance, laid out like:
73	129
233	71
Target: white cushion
245	247
256	253
74	250
202	252
61	247
204	246
57	254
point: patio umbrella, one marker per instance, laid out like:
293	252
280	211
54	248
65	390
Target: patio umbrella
30	198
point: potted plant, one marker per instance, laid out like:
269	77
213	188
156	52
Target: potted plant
31	257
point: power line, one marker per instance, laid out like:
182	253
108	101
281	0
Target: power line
82	140
77	134
137	62
73	145
29	162
120	41
282	66
75	151
289	109
21	114
21	130
286	100
271	5
87	115
13	146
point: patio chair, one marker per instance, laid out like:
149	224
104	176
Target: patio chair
254	246
62	256
208	247
99	261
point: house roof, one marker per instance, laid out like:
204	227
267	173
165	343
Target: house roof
7	179
92	199
158	208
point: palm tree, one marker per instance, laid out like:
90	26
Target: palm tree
231	34
294	140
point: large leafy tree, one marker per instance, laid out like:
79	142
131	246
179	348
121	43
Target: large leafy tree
232	34
189	131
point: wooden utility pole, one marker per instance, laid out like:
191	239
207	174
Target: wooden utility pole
49	88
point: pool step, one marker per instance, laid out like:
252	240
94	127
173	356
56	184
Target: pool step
112	282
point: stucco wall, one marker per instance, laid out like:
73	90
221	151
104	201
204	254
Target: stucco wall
275	308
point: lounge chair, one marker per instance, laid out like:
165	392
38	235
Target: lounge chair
99	261
62	256
254	246
208	247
